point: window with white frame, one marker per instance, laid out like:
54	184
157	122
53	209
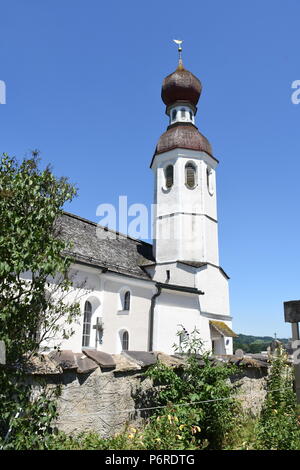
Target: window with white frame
126	305
87	319
125	340
190	175
124	300
169	176
209	180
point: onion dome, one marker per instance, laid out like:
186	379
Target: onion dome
184	136
181	85
180	92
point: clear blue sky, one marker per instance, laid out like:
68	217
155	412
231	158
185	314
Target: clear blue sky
83	85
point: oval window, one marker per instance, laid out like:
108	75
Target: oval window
169	176
209	176
190	175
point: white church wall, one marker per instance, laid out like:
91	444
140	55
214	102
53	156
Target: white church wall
215	286
135	321
86	286
174	311
168	238
167	198
228	341
187	237
179	197
209	191
185	218
210	236
103	291
180	274
193	246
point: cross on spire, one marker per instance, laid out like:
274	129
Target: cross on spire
179	43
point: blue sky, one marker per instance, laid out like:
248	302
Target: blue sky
83	85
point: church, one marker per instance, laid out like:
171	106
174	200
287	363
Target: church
139	297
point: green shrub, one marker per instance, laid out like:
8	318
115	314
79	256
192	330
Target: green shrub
207	390
278	426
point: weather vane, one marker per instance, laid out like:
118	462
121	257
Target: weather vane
179	43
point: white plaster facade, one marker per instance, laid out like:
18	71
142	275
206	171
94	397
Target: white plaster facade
185	219
186	229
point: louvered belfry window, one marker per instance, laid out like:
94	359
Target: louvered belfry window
190	175
87	324
169	174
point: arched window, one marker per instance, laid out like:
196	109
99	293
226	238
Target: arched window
190	175
191	115
87	324
127	301
209	181
174	113
169	175
182	113
125	341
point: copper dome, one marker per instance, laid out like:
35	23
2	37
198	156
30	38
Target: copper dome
184	136
181	85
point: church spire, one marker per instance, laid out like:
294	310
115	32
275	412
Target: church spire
180	63
180	93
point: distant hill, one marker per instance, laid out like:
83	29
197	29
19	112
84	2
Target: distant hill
254	344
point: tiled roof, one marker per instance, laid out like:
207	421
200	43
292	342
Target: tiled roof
99	246
222	328
183	135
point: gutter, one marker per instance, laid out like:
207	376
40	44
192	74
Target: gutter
151	317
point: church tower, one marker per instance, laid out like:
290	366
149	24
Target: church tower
185	216
193	288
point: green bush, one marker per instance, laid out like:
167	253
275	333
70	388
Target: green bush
205	388
278	426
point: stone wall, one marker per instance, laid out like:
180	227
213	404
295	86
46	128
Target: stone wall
251	383
106	399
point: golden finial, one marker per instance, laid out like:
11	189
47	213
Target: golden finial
179	43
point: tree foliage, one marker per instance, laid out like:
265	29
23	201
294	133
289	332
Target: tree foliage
34	280
254	344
